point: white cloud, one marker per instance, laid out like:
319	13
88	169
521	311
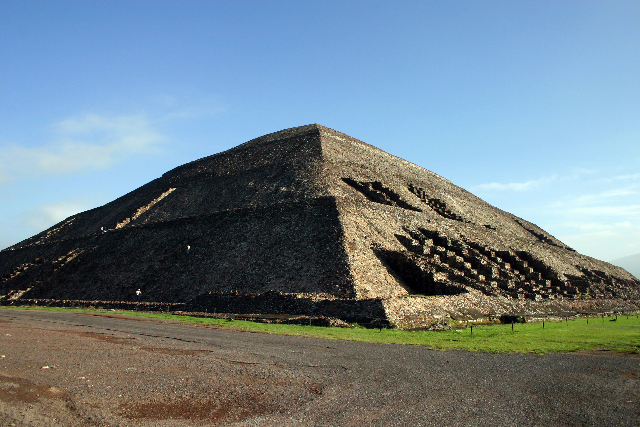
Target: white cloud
595	212
598	227
191	109
82	143
605	224
627	177
579	173
193	112
576	176
514	186
613	201
44	216
603	241
609	211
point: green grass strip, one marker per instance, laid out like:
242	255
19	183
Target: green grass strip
619	334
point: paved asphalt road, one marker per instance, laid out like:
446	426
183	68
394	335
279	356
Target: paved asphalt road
75	369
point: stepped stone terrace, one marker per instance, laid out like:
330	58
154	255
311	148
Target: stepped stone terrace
310	221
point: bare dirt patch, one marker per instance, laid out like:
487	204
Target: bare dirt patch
212	411
14	389
99	376
609	353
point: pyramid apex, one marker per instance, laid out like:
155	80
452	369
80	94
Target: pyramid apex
310	214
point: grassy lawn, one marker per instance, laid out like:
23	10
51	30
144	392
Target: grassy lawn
621	335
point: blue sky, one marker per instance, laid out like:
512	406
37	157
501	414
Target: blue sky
532	106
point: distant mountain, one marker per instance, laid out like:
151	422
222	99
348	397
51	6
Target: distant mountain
630	263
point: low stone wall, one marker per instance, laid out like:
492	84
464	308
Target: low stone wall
423	312
270	306
349	310
107	305
402	312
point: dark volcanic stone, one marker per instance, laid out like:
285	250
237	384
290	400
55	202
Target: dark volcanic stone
312	214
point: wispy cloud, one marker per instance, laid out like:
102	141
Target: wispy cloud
515	186
602	240
87	142
191	109
596	212
627	177
44	216
607	197
604	211
580	173
599	227
577	175
192	113
603	223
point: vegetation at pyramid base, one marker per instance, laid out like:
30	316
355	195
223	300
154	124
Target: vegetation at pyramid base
614	333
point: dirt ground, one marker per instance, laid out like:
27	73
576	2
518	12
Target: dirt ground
73	369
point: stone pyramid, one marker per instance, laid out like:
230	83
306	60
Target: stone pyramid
311	221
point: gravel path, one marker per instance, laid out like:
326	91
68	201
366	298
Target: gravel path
78	369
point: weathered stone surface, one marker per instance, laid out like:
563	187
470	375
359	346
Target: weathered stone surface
312	213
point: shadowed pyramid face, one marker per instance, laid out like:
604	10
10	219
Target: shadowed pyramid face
306	211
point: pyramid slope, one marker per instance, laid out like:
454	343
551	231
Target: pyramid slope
431	237
269	170
307	211
248	213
